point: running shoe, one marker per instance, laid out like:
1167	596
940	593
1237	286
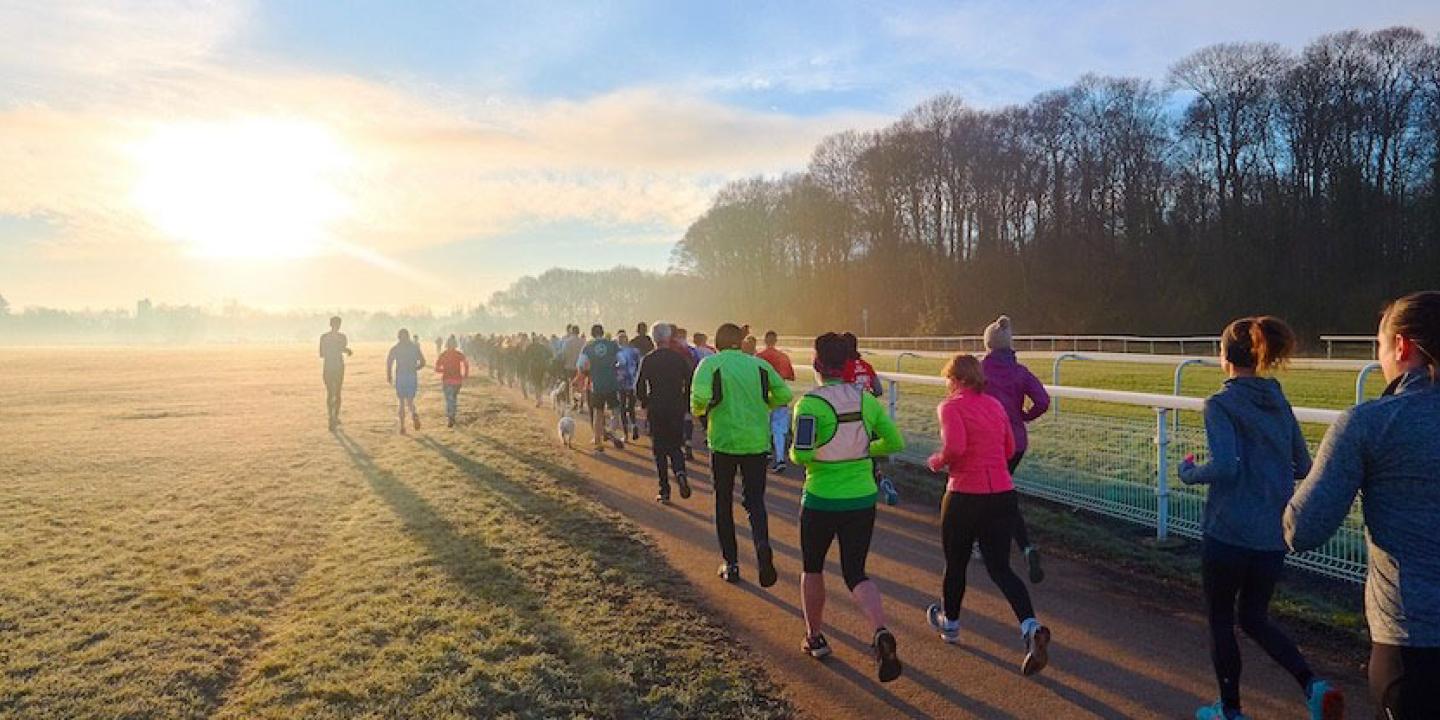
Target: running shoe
816	647
1325	702
887	486
619	443
1032	559
1037	651
949	629
1217	712
729	572
689	453
417	422
450	422
662	499
635	434
684	482
768	576
888	663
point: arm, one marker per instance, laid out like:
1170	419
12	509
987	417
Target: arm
390	367
464	367
1325	497
1009	438
642	385
952	437
420	359
1039	399
888	439
807	407
700	383
345	345
780	393
1300	452
1220	437
322	346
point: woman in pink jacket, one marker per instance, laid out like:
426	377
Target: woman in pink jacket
980	505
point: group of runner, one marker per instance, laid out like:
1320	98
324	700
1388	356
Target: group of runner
838	431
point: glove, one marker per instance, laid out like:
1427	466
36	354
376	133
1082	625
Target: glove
1187	465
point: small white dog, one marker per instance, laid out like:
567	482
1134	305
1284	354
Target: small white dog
566	429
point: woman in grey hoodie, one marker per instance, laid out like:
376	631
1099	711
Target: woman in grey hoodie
1388	450
1256	454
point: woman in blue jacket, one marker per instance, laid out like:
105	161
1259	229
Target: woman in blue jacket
1256	454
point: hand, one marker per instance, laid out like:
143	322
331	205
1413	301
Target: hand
348	351
936	462
1187	465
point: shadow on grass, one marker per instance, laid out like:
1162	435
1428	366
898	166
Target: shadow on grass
478	569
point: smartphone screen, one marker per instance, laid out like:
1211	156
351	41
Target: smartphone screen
805	433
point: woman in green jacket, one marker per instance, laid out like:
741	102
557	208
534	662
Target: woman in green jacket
834	424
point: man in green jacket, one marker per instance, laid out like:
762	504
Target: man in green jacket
736	392
834	427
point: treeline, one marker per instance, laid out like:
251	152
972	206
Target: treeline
1252	179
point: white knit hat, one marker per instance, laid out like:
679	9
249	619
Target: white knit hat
997	334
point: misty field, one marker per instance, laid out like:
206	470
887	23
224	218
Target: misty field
180	536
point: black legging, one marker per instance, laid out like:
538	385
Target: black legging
751	468
854	528
1022	533
989	519
1239	576
1405	681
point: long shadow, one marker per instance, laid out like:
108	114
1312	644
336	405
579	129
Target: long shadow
481	571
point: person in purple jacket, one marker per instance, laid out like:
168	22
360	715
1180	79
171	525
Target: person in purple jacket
1011	383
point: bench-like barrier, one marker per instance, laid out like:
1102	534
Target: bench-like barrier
1119	465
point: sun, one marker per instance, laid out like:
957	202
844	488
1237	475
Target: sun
255	188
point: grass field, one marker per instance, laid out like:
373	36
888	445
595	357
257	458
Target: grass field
180	537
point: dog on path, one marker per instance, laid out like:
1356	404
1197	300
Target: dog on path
566	430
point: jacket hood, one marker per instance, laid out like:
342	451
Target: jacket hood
1259	392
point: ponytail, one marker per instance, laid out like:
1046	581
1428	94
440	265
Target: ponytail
1262	343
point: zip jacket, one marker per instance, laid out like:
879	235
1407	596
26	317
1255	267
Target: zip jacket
727	387
1010	382
975	444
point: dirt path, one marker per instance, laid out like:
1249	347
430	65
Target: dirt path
1115	654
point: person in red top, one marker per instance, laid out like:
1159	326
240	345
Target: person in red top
976	444
453	369
859	371
779	417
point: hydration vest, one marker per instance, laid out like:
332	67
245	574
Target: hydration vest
851	440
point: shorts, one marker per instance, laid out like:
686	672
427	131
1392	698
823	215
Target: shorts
600	400
405	387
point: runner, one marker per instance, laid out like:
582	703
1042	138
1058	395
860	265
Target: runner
438	342
402	369
1390	449
627	366
453	369
1243	543
780	416
736	392
642	341
1011	383
834	424
662	387
537	368
749	345
334	346
597	364
979	504
682	346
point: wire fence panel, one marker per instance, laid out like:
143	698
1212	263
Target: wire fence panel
1107	462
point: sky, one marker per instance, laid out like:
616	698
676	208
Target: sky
389	154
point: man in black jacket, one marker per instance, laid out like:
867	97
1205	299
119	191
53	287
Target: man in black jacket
663	389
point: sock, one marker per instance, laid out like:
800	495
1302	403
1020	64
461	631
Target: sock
1028	627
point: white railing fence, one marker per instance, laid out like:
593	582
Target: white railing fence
1115	453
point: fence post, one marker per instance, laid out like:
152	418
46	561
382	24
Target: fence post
894	398
1162	474
1360	381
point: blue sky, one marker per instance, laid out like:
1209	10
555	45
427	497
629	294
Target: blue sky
467	143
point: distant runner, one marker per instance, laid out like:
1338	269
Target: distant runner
334	346
597	363
663	388
1012	384
627	366
402	369
453	369
780	416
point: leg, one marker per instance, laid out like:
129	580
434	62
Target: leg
1256	589
752	471
597	420
1022	533
1405	681
817	529
957	534
1221	574
996	528
855	535
662	469
779	430
722	471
